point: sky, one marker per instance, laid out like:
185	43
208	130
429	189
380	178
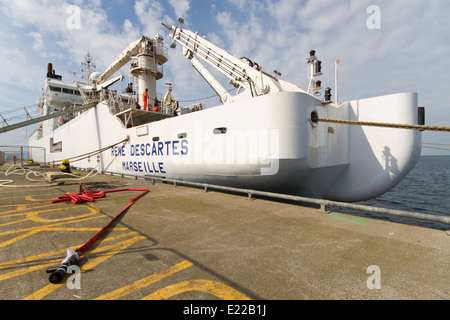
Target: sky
384	47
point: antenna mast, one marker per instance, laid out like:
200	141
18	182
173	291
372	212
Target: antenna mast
87	63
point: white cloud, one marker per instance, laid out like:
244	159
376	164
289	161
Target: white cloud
149	14
180	7
51	38
412	34
38	44
13	61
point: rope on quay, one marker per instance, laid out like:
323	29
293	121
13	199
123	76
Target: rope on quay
385	125
43	177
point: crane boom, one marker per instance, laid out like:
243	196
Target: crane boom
130	51
150	55
240	73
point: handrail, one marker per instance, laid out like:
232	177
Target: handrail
48	116
322	202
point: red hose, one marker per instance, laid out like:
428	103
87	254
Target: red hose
84	196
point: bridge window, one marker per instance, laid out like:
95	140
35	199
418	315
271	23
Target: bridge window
68	91
55	89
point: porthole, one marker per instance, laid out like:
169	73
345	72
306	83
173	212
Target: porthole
221	130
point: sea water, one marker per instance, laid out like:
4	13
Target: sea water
426	189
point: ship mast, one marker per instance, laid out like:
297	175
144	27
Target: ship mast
315	71
88	67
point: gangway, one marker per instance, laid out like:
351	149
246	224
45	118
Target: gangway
18	125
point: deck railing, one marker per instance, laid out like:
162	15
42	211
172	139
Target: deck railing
322	203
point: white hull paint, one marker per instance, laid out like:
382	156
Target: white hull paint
265	143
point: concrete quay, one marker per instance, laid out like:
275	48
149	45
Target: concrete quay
180	243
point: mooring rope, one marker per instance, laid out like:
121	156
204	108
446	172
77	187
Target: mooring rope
92	153
425	145
437	144
385	125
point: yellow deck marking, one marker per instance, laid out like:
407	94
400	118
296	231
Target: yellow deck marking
49	225
34	216
34	230
218	289
43	292
27	190
30	198
22	208
116	294
92	209
32	210
33	206
12	222
49	254
32	258
20	272
29	204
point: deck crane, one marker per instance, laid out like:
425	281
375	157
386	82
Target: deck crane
151	55
242	74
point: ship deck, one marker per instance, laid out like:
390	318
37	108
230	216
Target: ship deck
184	243
135	117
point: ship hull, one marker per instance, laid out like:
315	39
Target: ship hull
265	143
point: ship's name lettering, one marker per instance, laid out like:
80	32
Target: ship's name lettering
161	148
143	166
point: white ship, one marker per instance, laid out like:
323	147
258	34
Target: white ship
263	137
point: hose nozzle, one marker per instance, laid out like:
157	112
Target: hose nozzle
58	273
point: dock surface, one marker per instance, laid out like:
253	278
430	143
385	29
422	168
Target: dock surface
184	243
